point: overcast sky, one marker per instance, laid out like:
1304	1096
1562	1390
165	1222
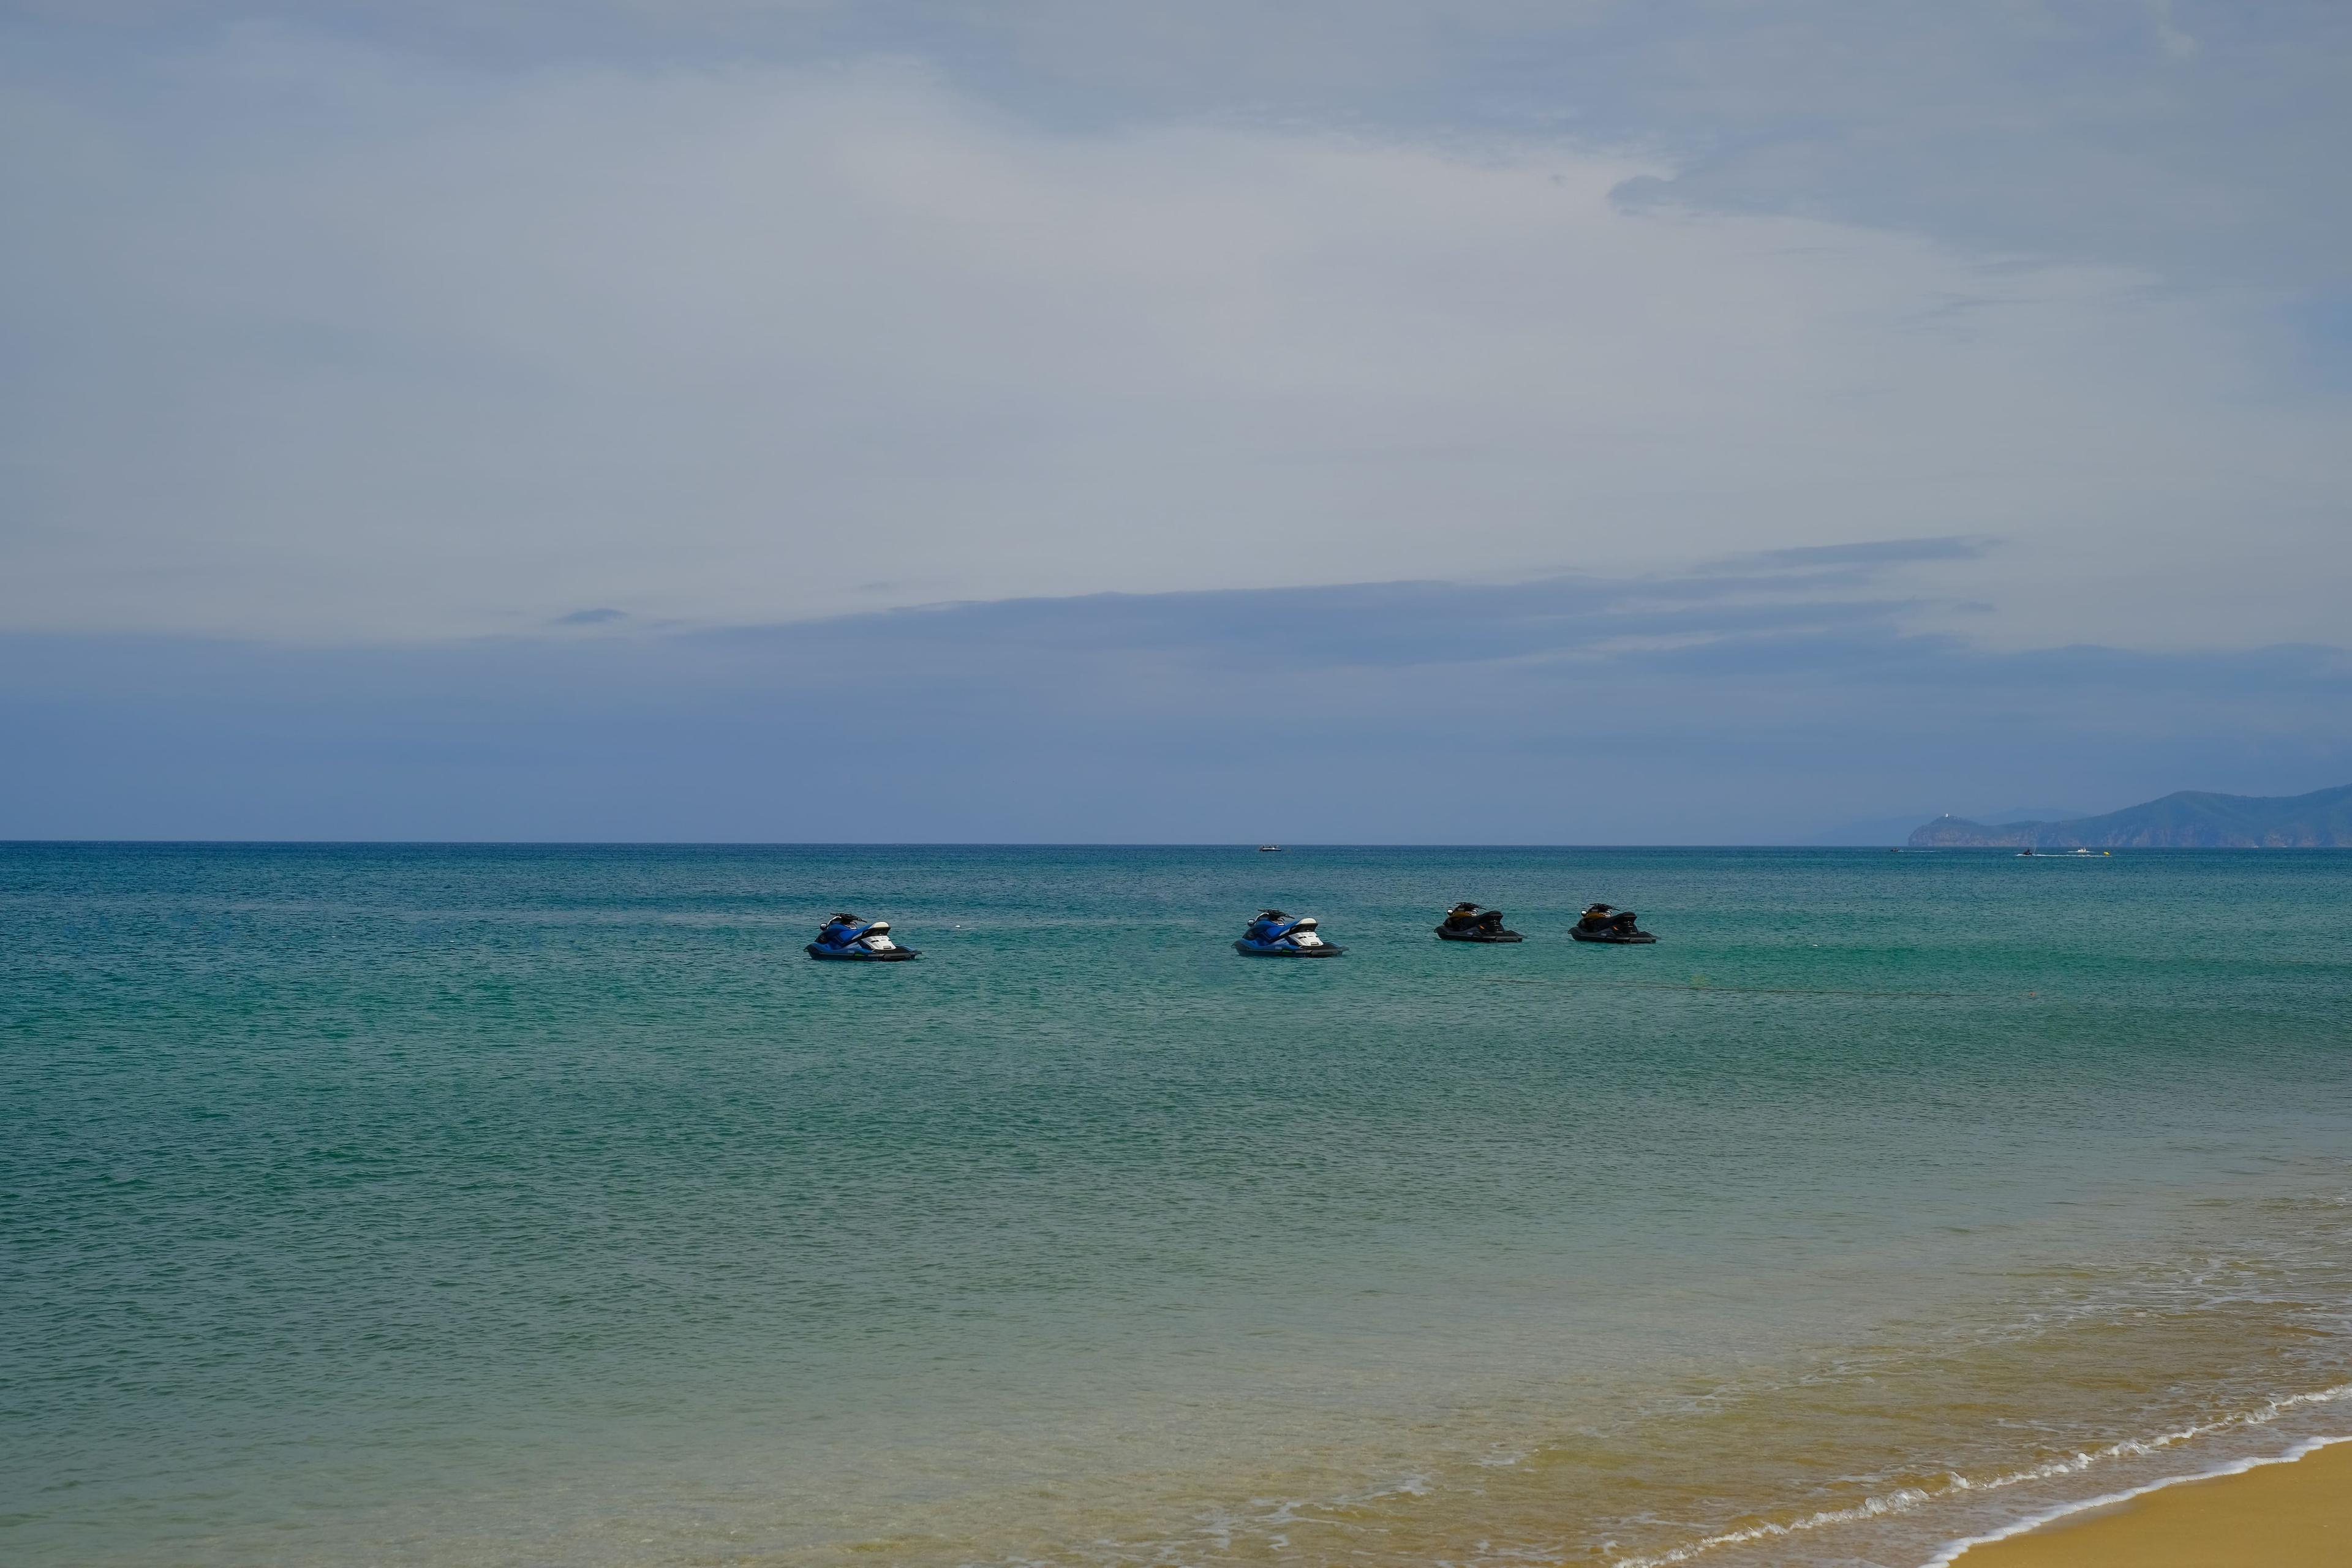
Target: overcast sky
416	345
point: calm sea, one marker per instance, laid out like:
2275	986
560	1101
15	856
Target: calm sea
441	1206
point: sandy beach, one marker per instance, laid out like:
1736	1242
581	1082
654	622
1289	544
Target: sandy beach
2298	1513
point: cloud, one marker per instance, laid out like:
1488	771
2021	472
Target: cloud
1692	422
2193	137
1872	553
1707	707
315	336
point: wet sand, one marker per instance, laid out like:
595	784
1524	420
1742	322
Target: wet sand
2297	1514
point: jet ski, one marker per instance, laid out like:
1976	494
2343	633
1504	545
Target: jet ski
1277	935
1601	923
848	936
1466	922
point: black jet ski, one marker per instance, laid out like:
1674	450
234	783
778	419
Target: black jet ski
1277	935
1466	922
845	936
1601	923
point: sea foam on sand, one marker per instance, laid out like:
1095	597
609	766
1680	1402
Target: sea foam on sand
2294	1507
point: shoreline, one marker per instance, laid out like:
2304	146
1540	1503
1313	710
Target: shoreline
2270	1508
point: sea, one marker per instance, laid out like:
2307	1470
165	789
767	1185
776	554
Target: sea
467	1204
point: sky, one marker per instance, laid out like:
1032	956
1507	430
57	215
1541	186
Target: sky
1483	421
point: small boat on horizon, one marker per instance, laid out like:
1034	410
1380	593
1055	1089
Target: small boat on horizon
1269	848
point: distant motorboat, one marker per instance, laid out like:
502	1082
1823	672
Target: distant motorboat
1269	848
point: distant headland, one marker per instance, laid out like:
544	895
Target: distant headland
2191	819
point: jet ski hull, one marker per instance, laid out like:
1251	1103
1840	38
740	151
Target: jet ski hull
1445	935
1251	950
1613	938
859	956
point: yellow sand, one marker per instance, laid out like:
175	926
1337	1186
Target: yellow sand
2295	1515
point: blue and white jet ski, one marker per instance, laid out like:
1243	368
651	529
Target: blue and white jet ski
848	936
1277	935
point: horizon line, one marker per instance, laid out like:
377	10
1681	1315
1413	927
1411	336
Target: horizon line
1002	844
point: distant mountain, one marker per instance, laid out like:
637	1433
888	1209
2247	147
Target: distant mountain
2191	819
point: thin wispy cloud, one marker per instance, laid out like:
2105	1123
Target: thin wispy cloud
1702	706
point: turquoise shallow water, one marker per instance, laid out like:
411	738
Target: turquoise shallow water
478	1205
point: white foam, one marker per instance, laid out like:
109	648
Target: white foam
1950	1552
1909	1497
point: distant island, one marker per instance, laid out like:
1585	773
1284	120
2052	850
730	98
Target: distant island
2191	819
